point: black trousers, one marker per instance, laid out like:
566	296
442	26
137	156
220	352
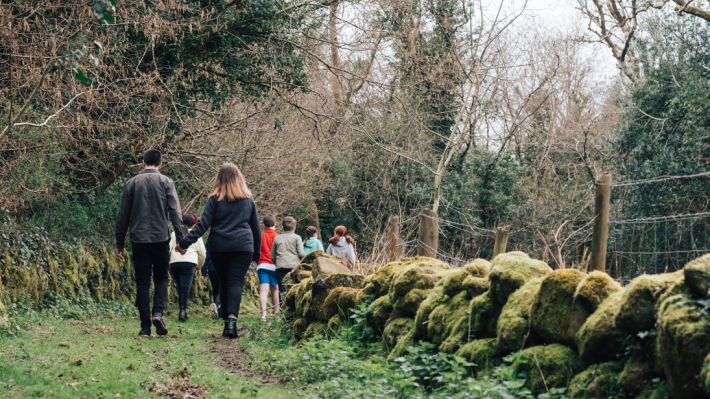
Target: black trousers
151	260
216	287
231	267
183	273
280	274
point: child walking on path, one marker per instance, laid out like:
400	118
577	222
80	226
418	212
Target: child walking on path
147	201
341	244
183	267
287	251
266	268
235	239
312	242
209	270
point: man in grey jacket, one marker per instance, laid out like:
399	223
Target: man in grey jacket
286	252
148	199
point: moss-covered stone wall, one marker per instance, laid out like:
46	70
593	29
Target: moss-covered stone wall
584	332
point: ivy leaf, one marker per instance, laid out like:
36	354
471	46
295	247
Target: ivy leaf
99	8
97	46
79	75
108	17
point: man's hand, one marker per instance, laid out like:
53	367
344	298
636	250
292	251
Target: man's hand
120	252
178	249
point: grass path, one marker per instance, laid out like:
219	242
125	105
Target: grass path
106	358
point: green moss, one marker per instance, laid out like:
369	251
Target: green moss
697	276
510	271
594	289
478	268
334	325
478	322
553	317
340	299
303	305
556	362
638	370
513	329
407	306
655	392
483	353
327	282
637	311
299	327
317	328
348	301
379	312
453	281
398	331
683	337
475	286
421	321
599	339
414	276
291	295
705	375
598	381
444	318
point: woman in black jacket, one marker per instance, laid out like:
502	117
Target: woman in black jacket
234	241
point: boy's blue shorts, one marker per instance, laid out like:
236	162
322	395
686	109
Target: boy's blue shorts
267	277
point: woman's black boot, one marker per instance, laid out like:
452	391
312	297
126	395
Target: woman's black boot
230	328
183	315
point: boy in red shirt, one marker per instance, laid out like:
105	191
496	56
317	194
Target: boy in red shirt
266	268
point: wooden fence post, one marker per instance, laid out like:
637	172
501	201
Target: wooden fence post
393	251
600	232
501	241
428	234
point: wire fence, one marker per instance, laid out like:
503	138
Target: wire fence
649	244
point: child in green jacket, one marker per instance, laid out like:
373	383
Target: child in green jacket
312	242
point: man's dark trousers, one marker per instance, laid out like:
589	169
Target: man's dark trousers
280	274
151	259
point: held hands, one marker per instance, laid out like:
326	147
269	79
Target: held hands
204	279
120	252
178	249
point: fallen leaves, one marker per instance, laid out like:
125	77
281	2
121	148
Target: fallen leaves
74	384
180	387
105	330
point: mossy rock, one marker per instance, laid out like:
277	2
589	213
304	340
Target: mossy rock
294	294
444	318
637	309
697	276
408	305
510	271
303	305
598	381
327	282
317	328
378	283
654	391
683	337
594	289
483	353
421	321
513	329
705	375
478	322
556	362
478	268
396	333
379	312
299	327
307	261
334	325
339	300
453	282
599	339
298	274
475	286
638	370
413	277
554	317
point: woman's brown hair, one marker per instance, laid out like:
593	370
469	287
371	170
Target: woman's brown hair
230	184
341	231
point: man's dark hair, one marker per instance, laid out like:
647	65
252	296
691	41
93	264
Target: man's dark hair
152	158
289	223
189	219
269	220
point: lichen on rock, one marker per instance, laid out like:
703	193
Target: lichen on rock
510	271
556	362
483	353
598	381
554	317
513	329
683	339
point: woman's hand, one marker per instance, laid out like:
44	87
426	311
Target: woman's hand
204	279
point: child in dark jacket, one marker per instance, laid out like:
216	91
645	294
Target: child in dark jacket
209	270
